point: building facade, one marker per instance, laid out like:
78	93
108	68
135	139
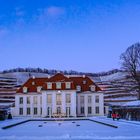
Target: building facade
59	95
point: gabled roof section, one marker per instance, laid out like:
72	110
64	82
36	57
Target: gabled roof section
32	84
59	78
88	82
83	81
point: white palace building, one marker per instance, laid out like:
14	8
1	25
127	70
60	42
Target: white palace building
59	94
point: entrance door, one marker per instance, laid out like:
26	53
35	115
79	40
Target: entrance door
58	110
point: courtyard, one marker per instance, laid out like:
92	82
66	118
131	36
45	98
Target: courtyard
75	130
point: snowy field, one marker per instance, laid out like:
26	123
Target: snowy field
86	130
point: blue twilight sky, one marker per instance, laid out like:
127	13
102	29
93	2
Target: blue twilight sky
82	35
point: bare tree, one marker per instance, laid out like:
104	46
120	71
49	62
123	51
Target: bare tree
131	63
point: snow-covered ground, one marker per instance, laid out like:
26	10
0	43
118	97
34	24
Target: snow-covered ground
88	130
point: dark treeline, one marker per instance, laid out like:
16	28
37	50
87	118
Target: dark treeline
53	71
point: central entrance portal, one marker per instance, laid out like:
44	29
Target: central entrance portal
58	110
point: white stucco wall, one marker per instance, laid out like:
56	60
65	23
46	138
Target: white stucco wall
63	106
74	105
93	104
25	105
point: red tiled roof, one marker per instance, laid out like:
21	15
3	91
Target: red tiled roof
88	82
84	82
30	86
58	78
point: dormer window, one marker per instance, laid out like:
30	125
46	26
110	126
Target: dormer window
58	85
24	89
49	85
39	88
92	88
68	85
78	88
84	82
33	83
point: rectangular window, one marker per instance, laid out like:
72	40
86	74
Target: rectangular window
28	111
97	109
49	111
35	99
67	111
58	85
28	100
49	98
21	100
82	99
97	99
35	111
68	98
49	85
41	110
89	99
20	111
89	110
105	110
68	85
58	110
82	110
58	99
40	99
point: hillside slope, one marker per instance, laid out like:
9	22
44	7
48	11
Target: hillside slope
117	88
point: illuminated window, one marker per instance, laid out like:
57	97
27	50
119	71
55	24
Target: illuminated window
58	99
68	98
49	98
